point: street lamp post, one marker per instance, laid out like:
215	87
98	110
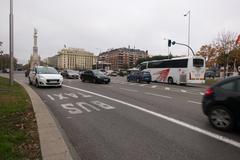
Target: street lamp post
189	15
11	42
1	53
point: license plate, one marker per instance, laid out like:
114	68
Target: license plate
105	79
53	82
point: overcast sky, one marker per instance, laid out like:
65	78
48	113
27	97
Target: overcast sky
97	25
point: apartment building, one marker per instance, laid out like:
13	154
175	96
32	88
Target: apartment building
122	58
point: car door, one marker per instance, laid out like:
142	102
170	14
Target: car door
91	75
228	93
85	75
238	93
137	75
32	75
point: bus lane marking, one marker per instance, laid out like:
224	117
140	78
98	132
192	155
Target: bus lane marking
49	96
73	95
167	118
60	96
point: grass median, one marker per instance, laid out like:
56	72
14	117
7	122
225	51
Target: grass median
18	128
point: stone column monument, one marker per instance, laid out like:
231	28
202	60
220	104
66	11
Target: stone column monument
35	58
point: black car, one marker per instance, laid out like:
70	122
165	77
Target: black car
95	76
221	103
209	74
70	74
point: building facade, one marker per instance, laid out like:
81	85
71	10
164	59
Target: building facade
122	58
75	58
52	61
35	59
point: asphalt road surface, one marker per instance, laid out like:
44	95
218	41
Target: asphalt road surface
131	121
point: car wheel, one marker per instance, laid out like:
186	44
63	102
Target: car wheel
30	82
170	80
37	84
148	82
94	80
83	80
128	79
221	118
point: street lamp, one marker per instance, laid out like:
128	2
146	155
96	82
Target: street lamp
1	58
11	42
189	15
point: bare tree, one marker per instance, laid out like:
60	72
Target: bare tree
225	43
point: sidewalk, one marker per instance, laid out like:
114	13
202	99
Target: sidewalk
53	145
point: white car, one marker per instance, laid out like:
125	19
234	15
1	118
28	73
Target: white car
45	76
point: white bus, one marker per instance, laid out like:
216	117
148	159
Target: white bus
181	70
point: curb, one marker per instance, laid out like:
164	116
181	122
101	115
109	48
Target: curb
52	142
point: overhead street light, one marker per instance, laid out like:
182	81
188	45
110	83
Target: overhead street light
189	15
11	42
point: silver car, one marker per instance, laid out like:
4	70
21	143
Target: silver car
45	76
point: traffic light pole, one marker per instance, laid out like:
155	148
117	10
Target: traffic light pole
170	42
184	45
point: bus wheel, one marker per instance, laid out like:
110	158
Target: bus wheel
170	80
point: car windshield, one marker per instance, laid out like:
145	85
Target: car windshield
98	72
46	70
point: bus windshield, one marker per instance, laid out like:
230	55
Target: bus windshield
198	62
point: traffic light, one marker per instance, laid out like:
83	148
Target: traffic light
169	43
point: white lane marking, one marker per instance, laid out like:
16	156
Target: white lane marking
84	95
167	88
184	91
132	84
154	87
202	93
102	105
194	102
60	96
93	107
142	85
181	123
130	90
108	86
71	109
49	96
73	95
83	104
69	117
158	95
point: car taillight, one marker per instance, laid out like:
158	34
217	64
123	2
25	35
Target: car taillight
209	92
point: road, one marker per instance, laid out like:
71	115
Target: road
130	121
